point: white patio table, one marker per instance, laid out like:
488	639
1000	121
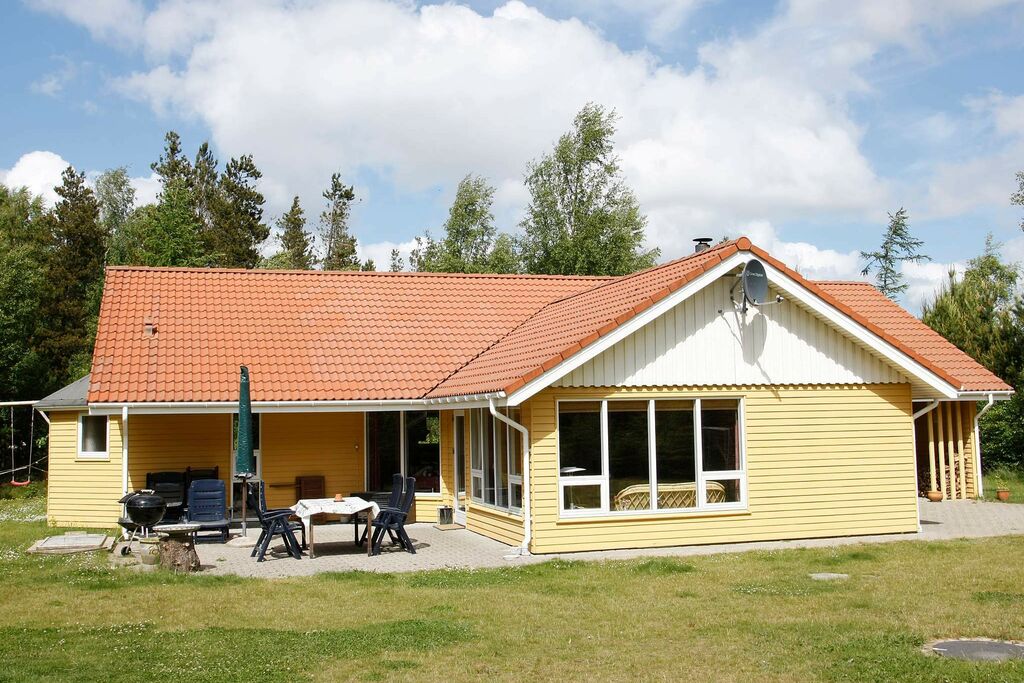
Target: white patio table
346	507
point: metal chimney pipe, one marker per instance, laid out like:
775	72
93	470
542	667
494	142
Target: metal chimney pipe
702	244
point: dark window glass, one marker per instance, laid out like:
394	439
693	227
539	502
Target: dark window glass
423	450
579	438
677	464
460	452
628	462
720	435
383	449
94	433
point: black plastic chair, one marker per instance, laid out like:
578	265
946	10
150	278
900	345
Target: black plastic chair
171	487
392	521
208	507
273	523
393	502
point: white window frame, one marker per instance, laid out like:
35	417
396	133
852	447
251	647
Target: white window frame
604	480
478	418
92	455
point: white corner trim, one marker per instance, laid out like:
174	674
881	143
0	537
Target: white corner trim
779	279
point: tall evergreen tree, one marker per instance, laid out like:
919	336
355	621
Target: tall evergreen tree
469	239
339	243
237	230
169	233
73	281
397	263
205	185
982	313
582	218
898	246
172	164
296	243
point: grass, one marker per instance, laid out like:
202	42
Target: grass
738	617
1012	478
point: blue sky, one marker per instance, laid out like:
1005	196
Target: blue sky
800	124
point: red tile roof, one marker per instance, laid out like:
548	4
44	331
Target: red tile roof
305	335
932	348
309	335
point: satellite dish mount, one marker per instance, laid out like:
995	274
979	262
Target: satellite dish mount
754	284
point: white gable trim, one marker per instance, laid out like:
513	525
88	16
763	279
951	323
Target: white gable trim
779	279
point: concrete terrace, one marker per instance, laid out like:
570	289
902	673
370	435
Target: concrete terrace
438	549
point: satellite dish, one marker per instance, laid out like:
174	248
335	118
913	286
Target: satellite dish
755	283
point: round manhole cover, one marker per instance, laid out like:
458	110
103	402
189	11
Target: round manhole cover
979	650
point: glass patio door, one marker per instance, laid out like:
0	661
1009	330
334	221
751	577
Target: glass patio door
459	451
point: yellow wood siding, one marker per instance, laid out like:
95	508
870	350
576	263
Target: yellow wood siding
82	493
501	526
301	444
821	461
159	443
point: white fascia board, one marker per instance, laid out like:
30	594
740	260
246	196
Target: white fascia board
777	278
355	406
622	331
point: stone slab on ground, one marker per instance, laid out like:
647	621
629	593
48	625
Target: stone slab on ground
828	576
71	542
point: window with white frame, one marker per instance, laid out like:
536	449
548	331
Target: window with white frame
620	456
496	460
92	437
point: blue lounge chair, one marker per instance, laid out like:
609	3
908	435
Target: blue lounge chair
208	507
393	502
273	523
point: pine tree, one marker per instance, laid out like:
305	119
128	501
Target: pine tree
582	218
237	230
296	242
397	263
205	185
172	164
368	265
339	244
73	282
898	246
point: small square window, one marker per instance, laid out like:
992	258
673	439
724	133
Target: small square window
92	436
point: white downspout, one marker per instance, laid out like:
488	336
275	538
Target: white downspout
977	445
124	451
913	423
525	548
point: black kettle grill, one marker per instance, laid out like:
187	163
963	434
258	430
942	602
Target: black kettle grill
143	510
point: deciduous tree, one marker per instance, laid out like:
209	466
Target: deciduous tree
582	218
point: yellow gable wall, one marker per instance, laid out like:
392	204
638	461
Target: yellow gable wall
82	492
821	461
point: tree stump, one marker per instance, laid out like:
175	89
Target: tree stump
178	553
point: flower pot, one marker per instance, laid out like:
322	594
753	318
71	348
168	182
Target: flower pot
1003	494
149	550
935	496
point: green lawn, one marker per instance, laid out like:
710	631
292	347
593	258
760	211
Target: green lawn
739	617
1012	478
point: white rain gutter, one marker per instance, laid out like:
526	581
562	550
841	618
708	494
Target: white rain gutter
150	407
524	549
977	444
913	423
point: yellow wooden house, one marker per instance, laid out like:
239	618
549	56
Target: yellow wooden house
668	407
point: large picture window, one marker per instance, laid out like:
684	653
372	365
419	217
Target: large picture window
635	456
408	443
496	460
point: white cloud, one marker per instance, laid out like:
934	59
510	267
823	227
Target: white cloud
116	21
52	83
38	171
380	252
146	189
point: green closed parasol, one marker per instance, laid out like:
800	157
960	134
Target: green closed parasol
245	463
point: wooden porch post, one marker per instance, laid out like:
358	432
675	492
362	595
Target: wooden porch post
930	419
940	439
949	452
960	451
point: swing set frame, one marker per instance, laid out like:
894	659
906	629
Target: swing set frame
30	465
